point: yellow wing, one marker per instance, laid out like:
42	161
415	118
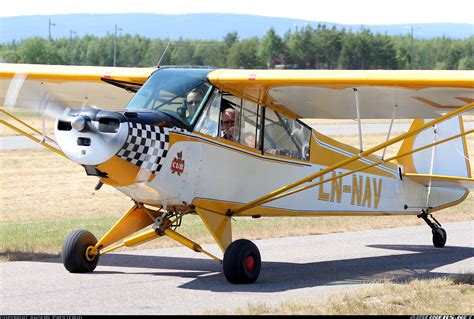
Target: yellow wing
331	94
69	86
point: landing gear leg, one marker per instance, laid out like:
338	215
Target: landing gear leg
439	234
81	249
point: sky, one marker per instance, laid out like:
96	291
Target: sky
338	11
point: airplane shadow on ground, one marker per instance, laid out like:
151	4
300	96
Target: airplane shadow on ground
282	276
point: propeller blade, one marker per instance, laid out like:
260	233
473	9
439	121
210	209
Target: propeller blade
32	95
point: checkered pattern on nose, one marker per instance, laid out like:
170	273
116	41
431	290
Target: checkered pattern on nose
146	146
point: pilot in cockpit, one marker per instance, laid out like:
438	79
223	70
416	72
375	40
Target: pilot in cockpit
228	127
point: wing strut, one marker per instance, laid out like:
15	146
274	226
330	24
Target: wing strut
275	194
45	141
359	125
431	168
390	128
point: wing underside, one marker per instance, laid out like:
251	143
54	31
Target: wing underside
332	94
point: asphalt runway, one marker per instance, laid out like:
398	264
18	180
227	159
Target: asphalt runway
180	281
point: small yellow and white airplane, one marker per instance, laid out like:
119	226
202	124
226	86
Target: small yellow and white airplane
224	143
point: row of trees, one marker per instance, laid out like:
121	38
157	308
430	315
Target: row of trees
308	48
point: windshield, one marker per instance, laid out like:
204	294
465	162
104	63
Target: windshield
177	92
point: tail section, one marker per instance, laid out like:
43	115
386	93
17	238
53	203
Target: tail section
444	168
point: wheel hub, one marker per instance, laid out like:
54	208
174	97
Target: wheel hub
249	263
91	252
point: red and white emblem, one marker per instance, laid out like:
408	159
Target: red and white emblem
177	165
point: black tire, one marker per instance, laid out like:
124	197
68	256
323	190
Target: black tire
74	252
242	262
439	237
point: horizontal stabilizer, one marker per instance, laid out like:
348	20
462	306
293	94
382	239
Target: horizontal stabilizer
442	181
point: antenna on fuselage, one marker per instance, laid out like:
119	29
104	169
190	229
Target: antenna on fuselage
161	58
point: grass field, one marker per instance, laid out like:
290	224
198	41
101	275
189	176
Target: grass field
451	295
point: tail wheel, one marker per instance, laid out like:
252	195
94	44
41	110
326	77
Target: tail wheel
242	262
79	253
439	237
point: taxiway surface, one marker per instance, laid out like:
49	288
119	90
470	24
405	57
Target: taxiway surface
180	281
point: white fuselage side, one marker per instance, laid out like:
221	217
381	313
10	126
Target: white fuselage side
225	172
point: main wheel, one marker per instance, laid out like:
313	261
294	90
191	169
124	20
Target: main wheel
242	262
77	252
439	237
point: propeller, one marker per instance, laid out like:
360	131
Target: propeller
32	95
24	93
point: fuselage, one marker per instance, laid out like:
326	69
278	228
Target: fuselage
162	152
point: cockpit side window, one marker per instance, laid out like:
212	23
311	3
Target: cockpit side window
285	136
231	118
238	120
250	124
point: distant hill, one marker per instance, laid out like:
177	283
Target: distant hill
211	26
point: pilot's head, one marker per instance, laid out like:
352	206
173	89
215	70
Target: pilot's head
192	101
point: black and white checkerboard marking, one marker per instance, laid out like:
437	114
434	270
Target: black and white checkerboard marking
146	146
